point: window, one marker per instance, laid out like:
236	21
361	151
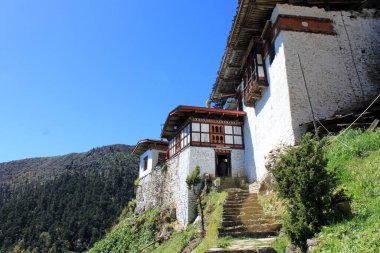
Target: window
238	136
172	147
200	133
185	136
180	141
217	134
145	163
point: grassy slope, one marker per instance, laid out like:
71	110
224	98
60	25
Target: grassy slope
131	234
355	157
177	242
213	210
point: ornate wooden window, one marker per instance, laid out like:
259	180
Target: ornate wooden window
254	75
217	134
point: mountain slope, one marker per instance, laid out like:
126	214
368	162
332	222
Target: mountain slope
36	171
64	203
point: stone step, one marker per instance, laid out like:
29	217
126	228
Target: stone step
248	234
241	202
238	196
243	212
241	205
243	215
229	223
231	251
247	218
244	208
264	249
241	196
253	228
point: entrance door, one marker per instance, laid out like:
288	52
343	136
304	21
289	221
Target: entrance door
223	163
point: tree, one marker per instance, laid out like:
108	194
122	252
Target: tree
303	181
192	181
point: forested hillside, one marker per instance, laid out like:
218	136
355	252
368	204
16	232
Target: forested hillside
64	203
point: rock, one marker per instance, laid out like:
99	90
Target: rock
266	250
291	248
312	244
197	220
343	207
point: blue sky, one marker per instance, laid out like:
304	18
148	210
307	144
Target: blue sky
81	74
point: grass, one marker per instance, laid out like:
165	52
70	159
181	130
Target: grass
214	210
177	242
131	234
355	157
280	244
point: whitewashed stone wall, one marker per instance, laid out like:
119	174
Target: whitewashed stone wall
167	187
269	122
329	65
158	188
204	157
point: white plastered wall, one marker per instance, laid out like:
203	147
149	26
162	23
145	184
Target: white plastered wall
341	71
152	155
331	63
268	124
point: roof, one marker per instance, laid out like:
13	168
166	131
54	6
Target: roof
146	144
354	118
181	113
249	21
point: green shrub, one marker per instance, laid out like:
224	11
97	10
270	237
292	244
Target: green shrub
305	184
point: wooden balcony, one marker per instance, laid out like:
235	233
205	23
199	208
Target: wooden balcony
254	76
253	88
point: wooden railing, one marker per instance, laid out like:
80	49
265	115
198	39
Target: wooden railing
251	90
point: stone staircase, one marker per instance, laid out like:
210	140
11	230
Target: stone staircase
243	216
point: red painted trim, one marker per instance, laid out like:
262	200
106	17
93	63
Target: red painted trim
302	24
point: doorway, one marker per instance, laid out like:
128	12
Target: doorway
223	163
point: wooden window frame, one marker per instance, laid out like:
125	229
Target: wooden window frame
175	143
210	144
175	148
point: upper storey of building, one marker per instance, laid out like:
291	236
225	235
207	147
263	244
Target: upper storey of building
207	127
252	33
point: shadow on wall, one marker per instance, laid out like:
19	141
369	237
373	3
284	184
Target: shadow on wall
249	161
